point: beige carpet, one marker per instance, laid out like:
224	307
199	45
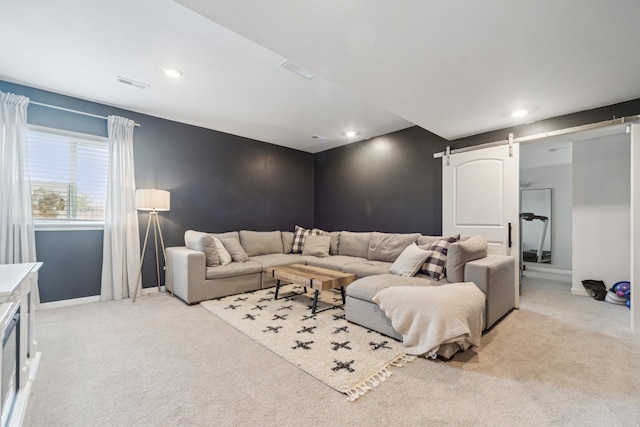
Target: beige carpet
560	360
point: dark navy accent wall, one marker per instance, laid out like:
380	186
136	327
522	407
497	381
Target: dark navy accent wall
218	182
389	183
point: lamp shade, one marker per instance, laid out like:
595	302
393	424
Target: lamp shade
152	200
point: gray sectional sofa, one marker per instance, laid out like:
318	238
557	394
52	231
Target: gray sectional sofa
368	255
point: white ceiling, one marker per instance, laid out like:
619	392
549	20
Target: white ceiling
453	68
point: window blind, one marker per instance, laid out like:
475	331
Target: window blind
68	175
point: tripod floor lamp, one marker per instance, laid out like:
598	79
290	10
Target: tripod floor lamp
153	201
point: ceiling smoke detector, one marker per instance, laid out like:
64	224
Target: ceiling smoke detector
133	83
298	69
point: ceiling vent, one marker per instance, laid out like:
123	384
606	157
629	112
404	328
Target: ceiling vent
299	70
129	82
319	138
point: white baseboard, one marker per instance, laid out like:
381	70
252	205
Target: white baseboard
579	292
88	300
547	273
68	302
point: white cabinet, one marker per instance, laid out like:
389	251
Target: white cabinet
19	356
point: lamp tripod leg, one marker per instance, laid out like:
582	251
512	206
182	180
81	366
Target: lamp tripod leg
156	227
144	247
166	263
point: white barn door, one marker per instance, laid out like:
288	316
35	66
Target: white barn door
481	195
635	228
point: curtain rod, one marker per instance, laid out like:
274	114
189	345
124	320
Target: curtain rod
558	132
55	107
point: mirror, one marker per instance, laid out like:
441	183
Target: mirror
535	225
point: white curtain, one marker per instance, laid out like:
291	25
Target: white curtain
121	249
17	235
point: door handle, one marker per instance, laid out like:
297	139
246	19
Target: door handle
509	235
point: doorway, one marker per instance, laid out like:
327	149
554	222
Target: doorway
588	177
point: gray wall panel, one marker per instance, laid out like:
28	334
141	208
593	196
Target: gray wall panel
72	264
390	183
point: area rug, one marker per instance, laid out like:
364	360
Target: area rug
346	357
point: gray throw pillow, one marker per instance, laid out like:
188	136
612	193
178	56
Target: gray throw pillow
299	236
409	261
335	240
202	242
287	242
236	251
316	246
462	252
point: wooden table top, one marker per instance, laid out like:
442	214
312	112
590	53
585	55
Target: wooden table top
314	277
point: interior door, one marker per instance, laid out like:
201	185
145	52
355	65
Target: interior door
480	195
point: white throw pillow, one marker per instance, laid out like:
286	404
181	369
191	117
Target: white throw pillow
223	254
409	261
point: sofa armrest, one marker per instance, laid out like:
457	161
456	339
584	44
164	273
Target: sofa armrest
495	276
186	267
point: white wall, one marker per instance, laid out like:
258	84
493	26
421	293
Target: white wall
601	210
558	177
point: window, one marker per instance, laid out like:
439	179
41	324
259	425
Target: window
68	176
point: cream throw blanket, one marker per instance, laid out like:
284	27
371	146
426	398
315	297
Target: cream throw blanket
429	316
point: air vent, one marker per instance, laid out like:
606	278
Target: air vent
129	82
299	70
318	138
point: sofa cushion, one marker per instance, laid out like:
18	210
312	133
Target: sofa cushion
354	244
271	260
410	260
299	236
232	270
202	242
366	287
233	246
316	246
287	242
335	262
387	247
462	252
435	265
261	242
367	268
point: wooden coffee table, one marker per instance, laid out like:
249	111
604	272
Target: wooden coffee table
316	278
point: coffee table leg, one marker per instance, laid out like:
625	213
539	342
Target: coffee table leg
342	292
277	288
315	302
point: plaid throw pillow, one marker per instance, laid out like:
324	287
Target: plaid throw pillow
434	266
298	238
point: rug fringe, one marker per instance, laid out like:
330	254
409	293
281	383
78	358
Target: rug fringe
376	379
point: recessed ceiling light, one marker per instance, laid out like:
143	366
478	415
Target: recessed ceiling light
351	134
172	72
520	113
